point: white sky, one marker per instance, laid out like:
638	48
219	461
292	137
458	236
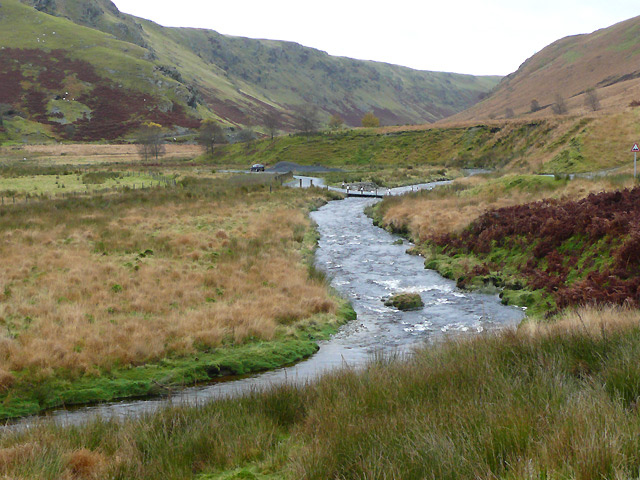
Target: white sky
491	37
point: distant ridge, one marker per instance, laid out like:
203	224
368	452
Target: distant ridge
605	62
95	72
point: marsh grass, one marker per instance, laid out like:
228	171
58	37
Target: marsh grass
93	285
543	401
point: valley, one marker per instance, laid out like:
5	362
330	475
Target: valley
169	312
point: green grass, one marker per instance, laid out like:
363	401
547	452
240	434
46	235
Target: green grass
523	147
29	395
231	76
556	405
56	185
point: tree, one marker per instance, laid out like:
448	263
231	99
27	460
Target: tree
591	100
5	108
535	106
271	123
370	120
509	113
306	119
246	135
150	141
335	122
209	134
560	106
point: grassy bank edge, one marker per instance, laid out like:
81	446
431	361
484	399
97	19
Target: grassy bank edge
511	287
35	392
170	374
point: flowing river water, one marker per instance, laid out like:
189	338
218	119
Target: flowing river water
365	264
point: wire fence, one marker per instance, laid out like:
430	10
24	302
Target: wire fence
152	180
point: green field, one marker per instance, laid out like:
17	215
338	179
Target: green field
60	185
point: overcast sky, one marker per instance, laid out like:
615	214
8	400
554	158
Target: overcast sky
491	37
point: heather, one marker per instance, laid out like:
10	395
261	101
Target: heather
578	252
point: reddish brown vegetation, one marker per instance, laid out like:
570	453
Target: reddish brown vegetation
543	229
115	111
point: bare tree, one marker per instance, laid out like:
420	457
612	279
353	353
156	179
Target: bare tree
535	106
560	106
209	134
591	100
271	123
307	120
509	113
150	140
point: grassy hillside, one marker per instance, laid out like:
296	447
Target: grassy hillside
287	74
67	81
555	145
82	70
605	61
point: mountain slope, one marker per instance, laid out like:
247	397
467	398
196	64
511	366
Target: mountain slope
605	61
176	76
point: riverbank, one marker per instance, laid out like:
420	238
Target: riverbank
523	403
143	292
494	234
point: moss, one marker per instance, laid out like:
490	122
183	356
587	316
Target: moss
405	301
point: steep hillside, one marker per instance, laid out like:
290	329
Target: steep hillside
178	76
287	74
605	61
63	80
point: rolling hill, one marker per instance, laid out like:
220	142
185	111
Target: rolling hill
604	62
82	70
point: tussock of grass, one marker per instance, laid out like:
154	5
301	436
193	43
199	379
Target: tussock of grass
92	287
554	401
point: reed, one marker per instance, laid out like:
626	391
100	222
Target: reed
553	401
89	285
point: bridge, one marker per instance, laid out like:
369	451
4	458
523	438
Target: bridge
364	194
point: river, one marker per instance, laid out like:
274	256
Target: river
365	264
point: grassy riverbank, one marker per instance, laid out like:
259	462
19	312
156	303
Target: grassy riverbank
140	292
549	145
495	234
553	401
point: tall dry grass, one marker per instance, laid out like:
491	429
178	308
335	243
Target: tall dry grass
544	401
452	208
91	289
